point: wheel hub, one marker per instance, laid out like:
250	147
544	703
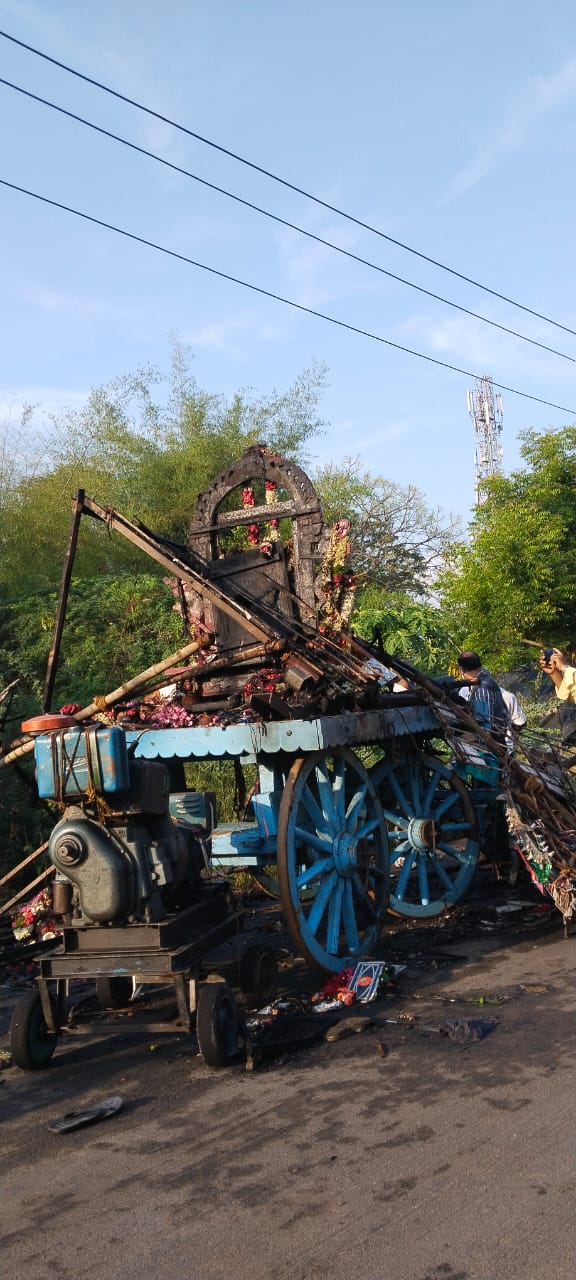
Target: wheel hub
422	833
345	848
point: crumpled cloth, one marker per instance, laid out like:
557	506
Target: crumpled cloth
466	1030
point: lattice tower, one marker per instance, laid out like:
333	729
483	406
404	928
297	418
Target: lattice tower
485	409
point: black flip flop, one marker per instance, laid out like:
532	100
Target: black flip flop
77	1119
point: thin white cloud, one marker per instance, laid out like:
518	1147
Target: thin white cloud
347	433
539	96
467	342
314	273
109	61
227	335
45	400
72	305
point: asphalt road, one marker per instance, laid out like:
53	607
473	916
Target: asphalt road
395	1154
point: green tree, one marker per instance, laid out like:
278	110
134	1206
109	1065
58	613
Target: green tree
397	541
115	628
147	457
515	578
410	629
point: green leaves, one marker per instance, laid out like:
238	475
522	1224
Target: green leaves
412	630
515	578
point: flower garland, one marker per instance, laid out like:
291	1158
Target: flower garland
34	921
266	681
272	531
536	854
338	586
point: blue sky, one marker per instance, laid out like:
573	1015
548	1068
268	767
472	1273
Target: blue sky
449	127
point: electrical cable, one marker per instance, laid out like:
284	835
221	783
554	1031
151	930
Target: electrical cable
277	297
248	204
291	186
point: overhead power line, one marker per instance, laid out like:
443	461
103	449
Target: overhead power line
248	204
267	293
267	173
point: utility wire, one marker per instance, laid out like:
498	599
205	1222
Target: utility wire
107	133
291	186
277	297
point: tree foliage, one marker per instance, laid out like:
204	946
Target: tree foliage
515	578
410	629
398	542
147	457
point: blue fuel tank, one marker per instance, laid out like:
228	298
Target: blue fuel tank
71	763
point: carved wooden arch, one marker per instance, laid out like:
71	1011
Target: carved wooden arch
302	508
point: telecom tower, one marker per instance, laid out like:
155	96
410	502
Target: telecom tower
485	409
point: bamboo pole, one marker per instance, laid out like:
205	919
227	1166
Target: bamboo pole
18	896
62	600
23	747
31	856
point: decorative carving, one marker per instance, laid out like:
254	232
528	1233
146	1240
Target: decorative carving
263	572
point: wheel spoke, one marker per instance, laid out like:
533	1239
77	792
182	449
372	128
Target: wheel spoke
447	804
353	810
456	826
430	792
329	814
405	875
395	818
364	898
461	855
349	918
399	852
416	791
368	828
334	917
443	875
339	791
314	872
311	840
423	883
321	901
312	808
399	794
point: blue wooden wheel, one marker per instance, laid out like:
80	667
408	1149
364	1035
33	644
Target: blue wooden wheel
333	859
432	832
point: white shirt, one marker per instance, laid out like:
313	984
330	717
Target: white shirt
516	717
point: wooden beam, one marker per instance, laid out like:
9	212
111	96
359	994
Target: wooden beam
62	600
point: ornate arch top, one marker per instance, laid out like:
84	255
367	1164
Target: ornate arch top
302	508
257	463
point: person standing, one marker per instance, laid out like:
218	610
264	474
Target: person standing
516	718
563	676
485	697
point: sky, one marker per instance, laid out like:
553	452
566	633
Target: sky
448	127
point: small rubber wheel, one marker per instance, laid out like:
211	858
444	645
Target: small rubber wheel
217	1024
31	1043
259	974
114	992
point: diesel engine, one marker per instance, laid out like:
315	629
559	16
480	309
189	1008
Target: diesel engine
119	855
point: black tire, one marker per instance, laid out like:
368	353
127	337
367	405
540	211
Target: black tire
259	974
31	1043
113	993
217	1024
